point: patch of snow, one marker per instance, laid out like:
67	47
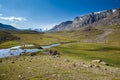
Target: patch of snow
16	47
99	12
114	10
81	18
29	45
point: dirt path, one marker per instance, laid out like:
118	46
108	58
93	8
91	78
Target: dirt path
103	37
100	38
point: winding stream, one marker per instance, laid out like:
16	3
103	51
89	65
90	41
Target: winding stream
16	50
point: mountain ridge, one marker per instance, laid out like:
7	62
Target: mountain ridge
7	27
101	18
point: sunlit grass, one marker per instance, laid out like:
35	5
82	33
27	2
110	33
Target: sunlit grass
91	51
9	44
43	67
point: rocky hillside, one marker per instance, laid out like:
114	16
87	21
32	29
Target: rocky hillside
7	36
7	27
63	26
102	18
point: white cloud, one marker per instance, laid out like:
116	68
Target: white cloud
1	14
13	18
48	26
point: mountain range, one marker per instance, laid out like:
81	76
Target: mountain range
7	27
94	19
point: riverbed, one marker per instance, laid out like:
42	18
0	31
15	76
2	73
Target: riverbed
17	50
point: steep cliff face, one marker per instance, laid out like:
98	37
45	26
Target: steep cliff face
107	17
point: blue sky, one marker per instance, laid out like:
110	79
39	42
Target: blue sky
47	13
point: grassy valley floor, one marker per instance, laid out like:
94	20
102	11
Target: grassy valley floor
75	61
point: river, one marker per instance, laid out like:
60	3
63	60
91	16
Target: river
16	50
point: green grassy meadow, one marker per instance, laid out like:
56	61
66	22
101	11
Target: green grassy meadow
91	51
75	61
50	38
